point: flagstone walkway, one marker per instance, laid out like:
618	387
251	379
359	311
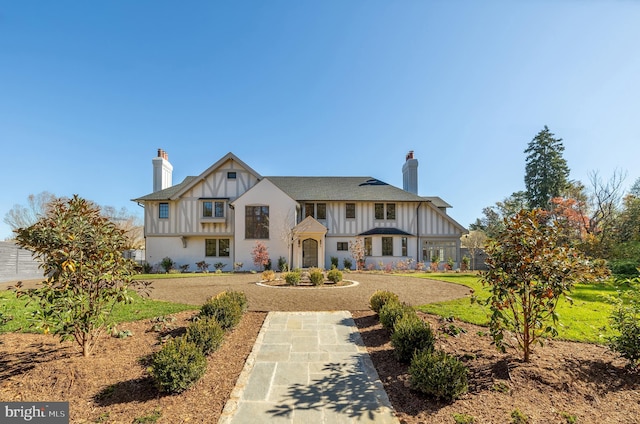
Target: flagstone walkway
308	367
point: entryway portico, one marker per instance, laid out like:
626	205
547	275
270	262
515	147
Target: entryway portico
308	244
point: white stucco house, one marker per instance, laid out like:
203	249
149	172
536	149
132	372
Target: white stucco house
219	215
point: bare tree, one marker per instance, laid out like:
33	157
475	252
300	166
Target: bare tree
21	216
605	200
127	221
474	241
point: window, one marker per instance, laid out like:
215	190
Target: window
379	210
351	210
391	211
212	209
316	210
216	247
387	246
343	246
438	250
231	175
367	246
404	246
256	222
309	209
163	211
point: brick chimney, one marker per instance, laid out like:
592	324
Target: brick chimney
410	174
162	171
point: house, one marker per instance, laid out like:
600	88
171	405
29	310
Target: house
219	215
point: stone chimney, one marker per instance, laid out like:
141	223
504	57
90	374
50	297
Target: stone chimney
410	174
162	171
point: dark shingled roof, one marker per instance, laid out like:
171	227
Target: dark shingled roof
385	232
167	193
342	189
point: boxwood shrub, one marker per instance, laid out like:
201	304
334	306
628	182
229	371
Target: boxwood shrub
225	309
392	312
205	333
379	298
178	365
411	334
438	374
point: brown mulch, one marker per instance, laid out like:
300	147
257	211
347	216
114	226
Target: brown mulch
574	379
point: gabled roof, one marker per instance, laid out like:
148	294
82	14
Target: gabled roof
342	189
213	168
167	193
309	225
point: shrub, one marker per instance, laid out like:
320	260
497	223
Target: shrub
464	419
206	334
268	275
282	264
167	264
184	268
347	264
292	278
147	267
624	268
380	298
202	266
438	374
236	296
316	276
411	334
219	265
625	320
392	312
334	275
224	309
177	366
334	261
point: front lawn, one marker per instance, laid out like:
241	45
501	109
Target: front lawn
141	308
586	320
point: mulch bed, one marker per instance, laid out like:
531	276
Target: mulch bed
574	379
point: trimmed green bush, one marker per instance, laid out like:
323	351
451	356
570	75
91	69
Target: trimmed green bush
624	267
438	374
316	277
411	334
205	333
379	298
392	312
292	278
224	309
334	275
235	296
625	320
177	366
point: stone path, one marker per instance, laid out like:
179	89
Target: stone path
308	367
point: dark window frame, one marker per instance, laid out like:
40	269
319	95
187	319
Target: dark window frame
350	211
256	222
163	210
387	246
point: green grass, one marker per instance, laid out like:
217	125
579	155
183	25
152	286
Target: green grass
141	308
586	320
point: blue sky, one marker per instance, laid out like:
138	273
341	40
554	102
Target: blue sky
90	90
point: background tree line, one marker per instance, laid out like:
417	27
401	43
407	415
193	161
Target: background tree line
597	218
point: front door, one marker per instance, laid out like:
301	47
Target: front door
309	253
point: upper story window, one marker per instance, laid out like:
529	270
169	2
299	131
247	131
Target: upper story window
385	210
231	175
163	210
256	222
316	210
350	210
213	209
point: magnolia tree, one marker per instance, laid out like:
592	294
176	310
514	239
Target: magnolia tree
528	272
260	255
86	275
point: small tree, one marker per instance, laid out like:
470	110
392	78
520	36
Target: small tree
356	248
528	272
86	274
474	242
260	256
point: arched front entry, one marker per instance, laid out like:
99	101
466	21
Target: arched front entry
309	253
